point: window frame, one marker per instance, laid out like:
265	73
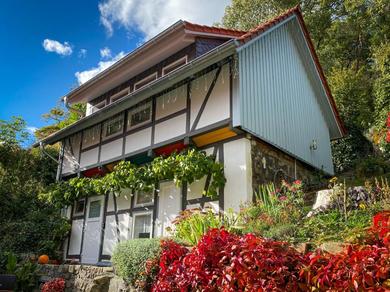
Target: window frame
75	212
138	214
105	125
136	109
89	218
152	78
84	146
173	64
137	205
97	107
117	96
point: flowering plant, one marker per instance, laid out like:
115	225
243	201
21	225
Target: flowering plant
56	285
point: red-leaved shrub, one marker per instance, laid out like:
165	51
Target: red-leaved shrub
56	285
226	262
223	261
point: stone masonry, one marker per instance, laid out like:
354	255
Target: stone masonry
270	164
84	278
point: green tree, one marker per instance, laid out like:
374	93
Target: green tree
27	224
59	118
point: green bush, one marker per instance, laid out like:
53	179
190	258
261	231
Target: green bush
42	232
372	166
191	225
130	259
276	212
334	226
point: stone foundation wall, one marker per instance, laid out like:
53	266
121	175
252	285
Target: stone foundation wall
84	278
269	164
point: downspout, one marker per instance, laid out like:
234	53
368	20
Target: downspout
72	109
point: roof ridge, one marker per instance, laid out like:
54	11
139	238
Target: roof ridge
212	27
265	25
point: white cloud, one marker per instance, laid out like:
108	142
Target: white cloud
84	76
105	53
152	16
82	53
55	46
31	129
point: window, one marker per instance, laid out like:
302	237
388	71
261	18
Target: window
145	81
174	65
91	136
94	209
119	95
142	226
143	198
98	106
139	115
113	127
79	208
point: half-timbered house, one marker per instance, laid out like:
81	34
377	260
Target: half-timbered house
257	100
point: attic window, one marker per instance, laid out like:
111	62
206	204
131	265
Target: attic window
145	81
98	106
173	66
119	95
140	115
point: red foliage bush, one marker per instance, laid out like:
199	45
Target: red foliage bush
223	261
226	262
56	285
358	268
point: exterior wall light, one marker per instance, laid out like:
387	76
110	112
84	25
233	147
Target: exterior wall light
313	145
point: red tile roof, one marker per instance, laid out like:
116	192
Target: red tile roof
213	29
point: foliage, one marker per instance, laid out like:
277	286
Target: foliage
37	234
349	215
13	132
352	41
25	272
55	285
346	151
192	224
59	119
130	259
187	166
27	225
275	211
223	261
26	276
372	166
358	267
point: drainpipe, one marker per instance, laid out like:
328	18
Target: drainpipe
71	109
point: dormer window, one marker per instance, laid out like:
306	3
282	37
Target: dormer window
174	65
139	115
119	95
98	106
145	81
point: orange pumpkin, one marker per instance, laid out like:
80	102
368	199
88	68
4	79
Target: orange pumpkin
43	259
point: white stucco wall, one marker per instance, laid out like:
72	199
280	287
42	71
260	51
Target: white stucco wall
238	173
138	140
111	150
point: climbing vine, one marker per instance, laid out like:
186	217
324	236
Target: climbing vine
188	166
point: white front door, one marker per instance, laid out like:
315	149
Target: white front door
169	207
92	231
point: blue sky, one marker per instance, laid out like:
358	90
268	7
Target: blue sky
45	43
